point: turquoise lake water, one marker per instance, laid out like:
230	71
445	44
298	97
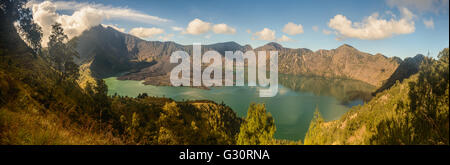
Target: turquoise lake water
292	108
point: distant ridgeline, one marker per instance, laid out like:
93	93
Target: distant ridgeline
109	52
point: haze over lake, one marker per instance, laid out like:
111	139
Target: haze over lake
292	108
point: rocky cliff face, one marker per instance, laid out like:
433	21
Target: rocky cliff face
113	52
107	51
407	67
343	62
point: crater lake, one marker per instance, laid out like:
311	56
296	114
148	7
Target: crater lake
292	108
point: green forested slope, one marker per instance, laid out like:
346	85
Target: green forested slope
412	112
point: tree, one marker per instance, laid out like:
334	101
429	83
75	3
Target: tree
31	32
12	11
314	134
9	11
429	101
142	96
56	46
258	127
61	53
102	105
171	125
132	127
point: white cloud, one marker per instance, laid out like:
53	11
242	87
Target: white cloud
197	26
284	39
223	29
293	29
84	16
373	27
265	34
166	37
115	27
175	28
435	6
44	14
429	23
146	32
326	32
109	12
315	28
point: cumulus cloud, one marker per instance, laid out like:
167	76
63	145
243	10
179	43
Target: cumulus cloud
435	6
373	27
223	29
109	12
265	34
429	23
198	26
146	32
284	39
83	17
293	29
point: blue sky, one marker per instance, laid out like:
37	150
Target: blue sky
408	36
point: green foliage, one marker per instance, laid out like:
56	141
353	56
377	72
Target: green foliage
61	53
258	127
171	125
30	30
423	118
9	10
315	132
151	120
429	101
10	13
99	95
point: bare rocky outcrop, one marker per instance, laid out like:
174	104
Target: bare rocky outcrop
342	62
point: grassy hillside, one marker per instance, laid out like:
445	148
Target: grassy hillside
34	111
412	112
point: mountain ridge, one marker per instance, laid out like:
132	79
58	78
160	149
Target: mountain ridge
149	60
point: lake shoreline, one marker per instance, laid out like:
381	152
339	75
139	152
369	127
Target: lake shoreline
292	108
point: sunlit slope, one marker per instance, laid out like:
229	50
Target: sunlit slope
412	112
